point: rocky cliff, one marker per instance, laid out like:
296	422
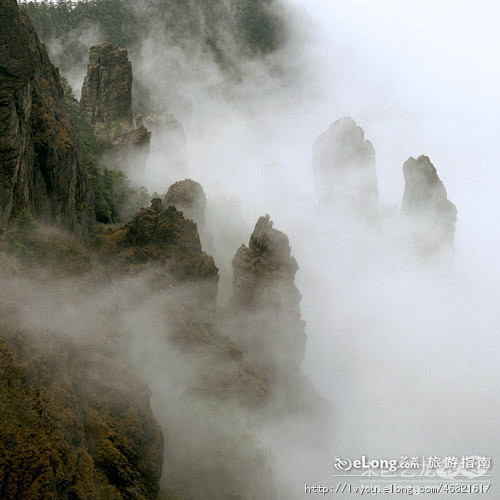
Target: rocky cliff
41	162
263	288
425	201
344	169
264	319
159	234
107	88
221	388
76	417
189	198
107	101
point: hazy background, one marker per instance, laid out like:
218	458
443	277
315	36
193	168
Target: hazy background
414	363
405	350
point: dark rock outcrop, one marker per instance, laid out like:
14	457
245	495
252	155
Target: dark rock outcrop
344	169
265	321
425	201
190	199
41	167
160	235
266	298
107	88
107	101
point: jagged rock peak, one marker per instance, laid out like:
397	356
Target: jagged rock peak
423	187
40	155
107	88
189	198
264	289
426	200
160	235
271	245
344	168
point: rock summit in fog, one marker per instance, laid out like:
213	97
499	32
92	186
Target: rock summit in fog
107	102
344	169
264	289
265	320
190	199
425	201
107	88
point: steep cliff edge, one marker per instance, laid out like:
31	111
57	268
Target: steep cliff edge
42	170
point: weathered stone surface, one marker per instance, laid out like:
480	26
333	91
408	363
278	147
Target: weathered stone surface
160	235
136	139
266	299
107	101
264	319
107	88
344	169
41	168
425	200
190	199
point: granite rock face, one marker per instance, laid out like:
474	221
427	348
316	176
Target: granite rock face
190	199
41	166
107	88
107	101
160	235
265	296
425	201
344	169
265	320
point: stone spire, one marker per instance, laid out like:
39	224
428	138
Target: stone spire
344	169
266	299
107	88
426	202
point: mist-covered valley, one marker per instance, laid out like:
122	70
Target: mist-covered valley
242	240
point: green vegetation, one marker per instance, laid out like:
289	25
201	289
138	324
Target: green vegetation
115	198
19	237
55	19
45	247
256	26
